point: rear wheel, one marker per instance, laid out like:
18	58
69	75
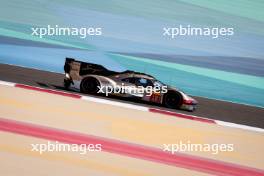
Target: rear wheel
89	85
173	100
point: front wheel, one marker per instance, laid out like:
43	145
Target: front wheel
89	85
172	100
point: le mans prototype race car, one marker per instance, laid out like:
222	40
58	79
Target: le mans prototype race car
92	78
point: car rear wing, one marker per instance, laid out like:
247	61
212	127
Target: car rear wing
80	68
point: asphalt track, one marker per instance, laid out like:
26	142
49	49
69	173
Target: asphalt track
214	109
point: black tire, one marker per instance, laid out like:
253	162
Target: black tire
173	100
89	85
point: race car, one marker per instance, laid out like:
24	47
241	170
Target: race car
90	78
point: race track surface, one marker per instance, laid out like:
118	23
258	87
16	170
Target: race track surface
214	109
132	140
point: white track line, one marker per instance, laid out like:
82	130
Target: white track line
7	83
114	103
234	125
